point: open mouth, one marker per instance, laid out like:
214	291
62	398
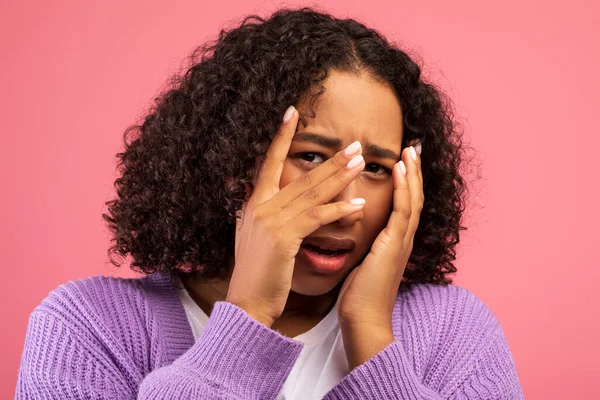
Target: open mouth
324	252
326	255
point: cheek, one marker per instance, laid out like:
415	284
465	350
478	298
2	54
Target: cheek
288	174
378	208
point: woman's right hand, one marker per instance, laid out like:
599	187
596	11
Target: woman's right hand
275	222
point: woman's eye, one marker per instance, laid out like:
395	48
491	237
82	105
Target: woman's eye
374	169
310	157
377	169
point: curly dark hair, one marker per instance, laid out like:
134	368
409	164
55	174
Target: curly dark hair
175	213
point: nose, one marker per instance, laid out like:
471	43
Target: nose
348	193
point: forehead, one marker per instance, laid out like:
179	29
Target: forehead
355	107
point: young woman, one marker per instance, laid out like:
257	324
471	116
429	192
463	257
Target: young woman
295	258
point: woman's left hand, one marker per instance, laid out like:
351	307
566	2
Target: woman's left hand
366	299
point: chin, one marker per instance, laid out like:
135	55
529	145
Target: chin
315	287
307	283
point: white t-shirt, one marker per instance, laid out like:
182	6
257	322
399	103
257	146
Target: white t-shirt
320	366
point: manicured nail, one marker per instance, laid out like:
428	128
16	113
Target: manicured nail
288	114
352	149
402	167
418	148
355	162
359	201
413	153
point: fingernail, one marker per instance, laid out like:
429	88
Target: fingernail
355	162
418	147
413	153
288	114
402	167
352	149
359	201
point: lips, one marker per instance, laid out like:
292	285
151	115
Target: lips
330	244
326	255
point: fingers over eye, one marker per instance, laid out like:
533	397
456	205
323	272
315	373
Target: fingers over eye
322	183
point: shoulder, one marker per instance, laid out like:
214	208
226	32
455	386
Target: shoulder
107	308
454	341
110	316
445	316
95	294
443	301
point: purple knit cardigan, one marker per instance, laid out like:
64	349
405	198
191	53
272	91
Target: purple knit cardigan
115	338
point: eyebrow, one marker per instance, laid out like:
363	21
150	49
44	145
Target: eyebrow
336	144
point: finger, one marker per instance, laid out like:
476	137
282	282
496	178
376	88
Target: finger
419	164
337	171
313	218
401	213
346	285
267	181
326	190
415	182
418	147
416	193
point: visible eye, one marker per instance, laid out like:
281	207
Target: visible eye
309	157
377	169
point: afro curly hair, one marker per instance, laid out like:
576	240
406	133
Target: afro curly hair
177	197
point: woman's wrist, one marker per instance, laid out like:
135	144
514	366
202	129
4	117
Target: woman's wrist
253	313
362	344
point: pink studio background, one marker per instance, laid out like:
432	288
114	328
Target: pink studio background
74	75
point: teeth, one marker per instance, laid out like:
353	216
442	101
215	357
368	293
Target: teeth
322	249
326	248
329	248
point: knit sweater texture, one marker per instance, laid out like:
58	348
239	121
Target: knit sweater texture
115	338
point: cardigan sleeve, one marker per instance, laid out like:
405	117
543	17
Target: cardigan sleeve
389	375
476	364
235	357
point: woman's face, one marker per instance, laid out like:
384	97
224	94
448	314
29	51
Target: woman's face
351	108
